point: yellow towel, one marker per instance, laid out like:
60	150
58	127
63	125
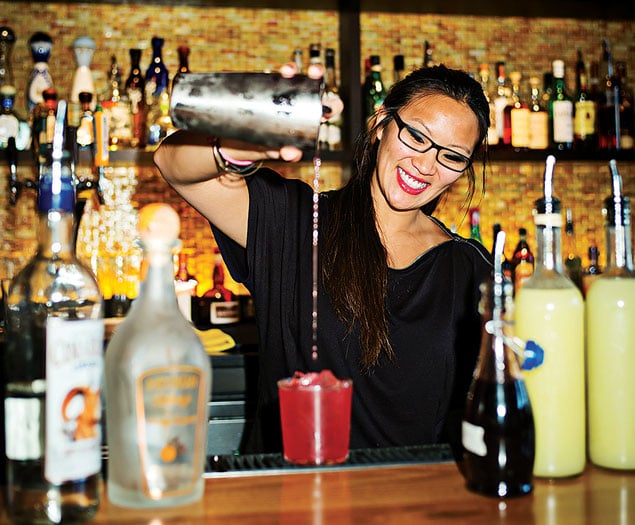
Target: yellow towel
215	341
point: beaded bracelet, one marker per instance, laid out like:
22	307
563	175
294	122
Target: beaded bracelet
242	168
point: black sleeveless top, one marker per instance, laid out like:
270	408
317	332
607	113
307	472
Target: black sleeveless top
434	325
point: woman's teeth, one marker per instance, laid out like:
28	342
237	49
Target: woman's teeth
411	181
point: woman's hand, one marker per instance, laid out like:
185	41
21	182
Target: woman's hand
332	105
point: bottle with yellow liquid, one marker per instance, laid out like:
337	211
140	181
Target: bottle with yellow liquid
550	310
610	310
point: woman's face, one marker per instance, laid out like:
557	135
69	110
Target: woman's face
408	179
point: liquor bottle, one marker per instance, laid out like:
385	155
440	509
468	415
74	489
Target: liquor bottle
516	129
159	123
157	385
584	121
298	60
102	143
333	128
427	55
547	87
610	309
12	124
218	305
572	261
374	92
398	68
7	41
592	271
185	284
135	89
560	110
53	365
538	118
184	59
608	108
475	225
505	262
86	129
497	431
41	45
83	49
484	76
549	309
627	109
43	125
502	99
315	50
522	261
116	108
157	77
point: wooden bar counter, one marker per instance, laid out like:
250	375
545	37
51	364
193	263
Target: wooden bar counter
410	494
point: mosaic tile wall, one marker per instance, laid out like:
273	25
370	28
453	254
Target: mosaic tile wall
232	39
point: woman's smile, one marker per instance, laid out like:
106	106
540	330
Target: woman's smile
410	184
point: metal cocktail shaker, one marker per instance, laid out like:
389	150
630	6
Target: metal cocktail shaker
259	108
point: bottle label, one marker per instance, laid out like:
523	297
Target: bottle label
170	408
74	369
520	127
24	421
473	438
538	130
562	121
120	124
499	109
224	312
584	121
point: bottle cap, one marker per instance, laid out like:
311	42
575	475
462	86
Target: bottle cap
158	222
399	62
375	60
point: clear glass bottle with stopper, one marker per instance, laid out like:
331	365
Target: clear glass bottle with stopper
54	365
550	310
610	318
158	383
498	427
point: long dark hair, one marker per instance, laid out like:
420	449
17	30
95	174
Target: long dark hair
355	268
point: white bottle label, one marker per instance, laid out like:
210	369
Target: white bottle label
538	130
74	368
224	312
24	427
562	121
473	438
520	127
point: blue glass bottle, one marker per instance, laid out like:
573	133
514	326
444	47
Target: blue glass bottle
157	74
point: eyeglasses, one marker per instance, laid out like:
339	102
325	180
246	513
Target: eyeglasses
417	141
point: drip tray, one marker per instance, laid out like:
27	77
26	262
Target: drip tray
258	464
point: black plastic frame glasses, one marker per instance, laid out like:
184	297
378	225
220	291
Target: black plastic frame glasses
420	142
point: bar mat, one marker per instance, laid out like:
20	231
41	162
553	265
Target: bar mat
253	464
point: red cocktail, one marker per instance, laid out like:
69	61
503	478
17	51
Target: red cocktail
315	411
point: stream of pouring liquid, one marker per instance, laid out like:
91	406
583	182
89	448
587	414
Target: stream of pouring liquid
317	162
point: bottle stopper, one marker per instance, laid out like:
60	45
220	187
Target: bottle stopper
158	222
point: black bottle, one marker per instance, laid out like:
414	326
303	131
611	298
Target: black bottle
498	428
